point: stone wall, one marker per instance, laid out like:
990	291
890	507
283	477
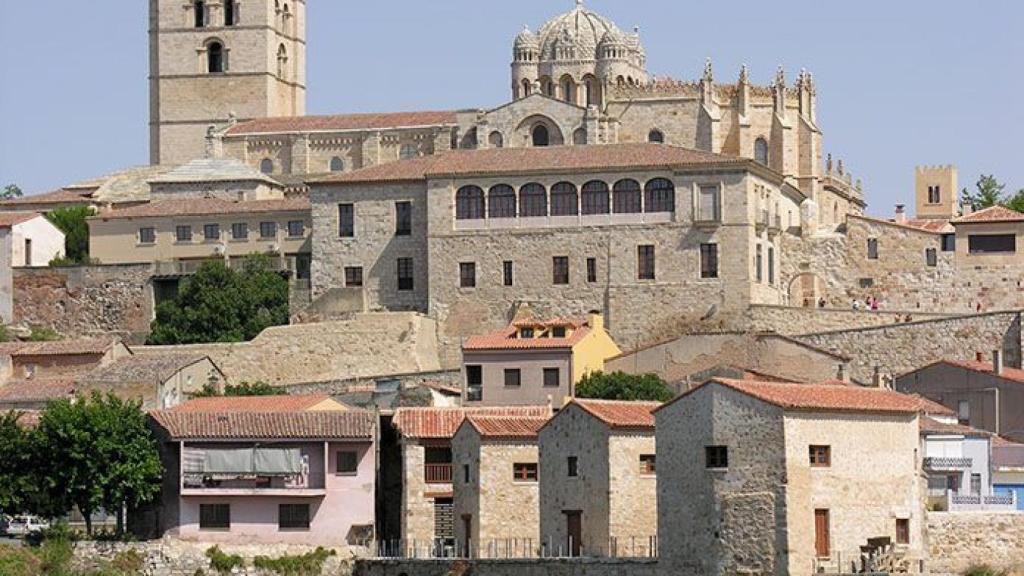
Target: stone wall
800	320
959	540
530	567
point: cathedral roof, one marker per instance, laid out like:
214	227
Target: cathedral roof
578	27
342	122
213	170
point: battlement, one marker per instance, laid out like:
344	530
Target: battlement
934	169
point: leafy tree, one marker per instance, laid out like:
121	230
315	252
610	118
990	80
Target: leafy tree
16	480
218	304
989	193
622	386
72	222
1017	202
258	388
10	192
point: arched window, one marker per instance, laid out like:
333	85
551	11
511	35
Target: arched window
564	201
469	203
541	136
533	200
579	137
660	196
590	86
282	61
568	90
230	12
199	7
761	151
408	151
469	141
527	88
594	198
501	201
267	166
496	140
337	164
656	136
626	197
215	58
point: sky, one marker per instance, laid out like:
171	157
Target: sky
900	83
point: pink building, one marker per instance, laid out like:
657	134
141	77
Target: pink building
294	470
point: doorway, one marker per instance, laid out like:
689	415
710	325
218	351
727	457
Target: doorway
821	533
574	530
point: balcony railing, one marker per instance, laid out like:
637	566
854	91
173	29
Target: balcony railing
993	502
228	482
437	473
932	463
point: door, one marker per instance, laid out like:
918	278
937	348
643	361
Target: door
821	535
574	530
467	531
28	251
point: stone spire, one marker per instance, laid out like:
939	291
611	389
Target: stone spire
744	75
707	83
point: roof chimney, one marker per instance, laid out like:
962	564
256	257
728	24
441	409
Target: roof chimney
595	320
901	214
979	357
842	375
876	378
997	362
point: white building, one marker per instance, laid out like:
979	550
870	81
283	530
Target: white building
34	240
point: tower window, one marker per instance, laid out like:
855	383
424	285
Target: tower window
934	195
282	61
761	151
267	166
656	137
199	7
215	58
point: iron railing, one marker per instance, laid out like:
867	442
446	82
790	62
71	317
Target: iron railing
514	548
942	463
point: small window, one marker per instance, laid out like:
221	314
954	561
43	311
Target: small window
409	151
540	135
469	203
507	272
558	332
934	194
761	151
147	235
348	462
215	58
293	516
949	242
656	137
872	248
230	12
240	231
268	229
183	233
963	412
353	276
403	218
199	11
759	263
902	531
560	269
467	275
591	270
975	484
296	228
931	257
465	473
496	140
267	166
820	456
572	464
405	279
524	472
513	378
709	204
211	232
337	164
214	516
346	220
552	377
526	333
647	465
645	262
992	243
771	265
709	260
716	457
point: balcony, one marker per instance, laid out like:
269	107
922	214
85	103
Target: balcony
932	463
775	224
437	473
194	484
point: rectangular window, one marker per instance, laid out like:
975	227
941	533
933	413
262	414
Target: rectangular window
572	465
348	462
296	228
353	276
147	235
211	232
552	378
467	275
524	472
558	332
465	473
183	233
513	378
346	220
560	270
902	531
716	456
506	272
591	270
976	484
759	263
268	229
474	375
645	262
403	218
405	281
771	265
214	516
709	207
293	516
931	257
963	412
240	231
647	465
872	249
709	260
991	243
949	242
820	456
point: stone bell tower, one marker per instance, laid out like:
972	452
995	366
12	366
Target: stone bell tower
214	60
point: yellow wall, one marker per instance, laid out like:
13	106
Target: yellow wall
590	353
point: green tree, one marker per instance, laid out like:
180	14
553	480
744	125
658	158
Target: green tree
16	481
72	221
1017	202
989	193
257	388
622	386
10	192
218	304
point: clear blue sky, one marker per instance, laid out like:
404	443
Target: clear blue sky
900	82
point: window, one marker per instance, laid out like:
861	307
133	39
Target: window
408	151
591	270
716	456
465	473
240	231
199	10
474	383
594	198
820	456
572	465
771	265
215	58
348	462
931	257
337	164
496	140
872	249
353	276
230	12
267	166
564	201
214	516
467	275
282	61
296	228
526	333
761	151
346	220
645	262
183	233
552	378
405	281
660	196
902	531
934	195
579	137
293	516
147	235
540	135
709	207
268	229
982	244
626	197
656	137
709	260
506	272
759	263
524	472
647	465
975	484
533	200
501	202
403	218
513	378
469	203
949	242
560	269
963	412
211	232
558	332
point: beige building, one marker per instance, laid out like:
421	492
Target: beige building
773	478
598	480
496	485
35	373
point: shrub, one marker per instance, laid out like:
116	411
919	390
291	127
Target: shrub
18	561
223	563
42	334
310	564
621	386
984	570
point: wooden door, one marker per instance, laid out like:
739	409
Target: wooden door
574	529
821	535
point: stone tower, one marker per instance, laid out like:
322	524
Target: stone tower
213	60
936	192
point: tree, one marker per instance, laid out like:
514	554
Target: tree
72	221
990	193
218	304
258	388
10	192
622	386
1017	202
16	480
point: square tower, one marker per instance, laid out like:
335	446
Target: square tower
211	60
936	192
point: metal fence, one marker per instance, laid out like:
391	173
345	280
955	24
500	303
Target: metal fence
514	548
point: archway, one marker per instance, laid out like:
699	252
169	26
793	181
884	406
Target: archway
806	290
539	130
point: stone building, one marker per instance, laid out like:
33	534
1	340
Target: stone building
158	381
496	507
773	478
598	480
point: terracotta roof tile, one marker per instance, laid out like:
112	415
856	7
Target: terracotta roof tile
442	423
928	224
62	196
263	404
503	427
505	339
991	214
931	407
65	347
342	122
933	426
8	219
36	390
620	413
265	425
1012	374
205	207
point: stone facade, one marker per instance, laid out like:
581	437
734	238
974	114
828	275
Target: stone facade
959	540
518	567
419	498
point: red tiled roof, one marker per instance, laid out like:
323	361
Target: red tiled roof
931	407
907	225
8	219
65	347
928	224
442	423
265	425
1013	374
205	207
504	427
620	413
36	390
441	387
933	426
282	403
343	122
991	214
62	196
506	339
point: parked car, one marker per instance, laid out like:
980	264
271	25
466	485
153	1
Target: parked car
22	525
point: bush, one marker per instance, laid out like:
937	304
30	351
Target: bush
622	386
57	532
18	561
42	334
310	564
128	562
984	570
223	563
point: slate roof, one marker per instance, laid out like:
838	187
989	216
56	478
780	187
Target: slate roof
213	170
321	425
205	207
442	423
504	427
991	214
342	122
255	404
155	368
620	414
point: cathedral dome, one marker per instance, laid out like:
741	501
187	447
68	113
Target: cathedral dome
577	32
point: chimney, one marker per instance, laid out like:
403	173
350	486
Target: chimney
966	209
901	214
876	378
595	320
841	374
997	362
979	357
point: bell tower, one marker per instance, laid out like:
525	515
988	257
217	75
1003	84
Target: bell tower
214	60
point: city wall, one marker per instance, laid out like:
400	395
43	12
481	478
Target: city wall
958	540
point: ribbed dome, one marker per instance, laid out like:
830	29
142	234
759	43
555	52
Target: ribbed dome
527	39
579	28
614	38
